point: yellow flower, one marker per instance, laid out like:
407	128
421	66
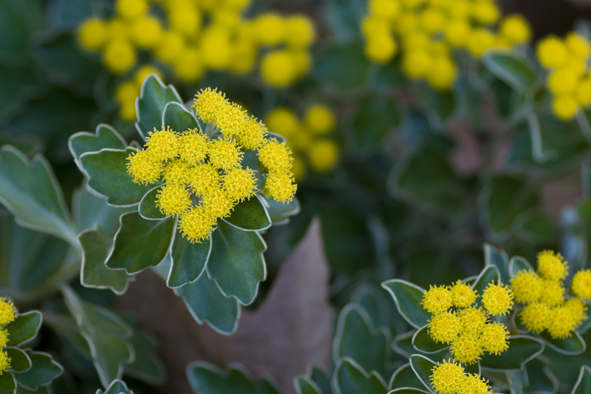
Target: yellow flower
443	73
173	199
551	265
373	25
560	323
143	168
563	81
118	30
282	121
163	144
127	92
583	93
279	186
209	104
472	321
119	56
204	179
388	9
196	224
515	29
466	349
93	34
127	111
486	12
444	327
189	67
497	299
526	286
224	154
230	119
319	119
495	338
216	47
275	156
552	52
535	316
4	362
480	41
170	47
143	72
581	284
323	155
437	299
131	8
457	31
576	311
565	107
7	311
432	20
193	146
474	384
269	29
416	63
177	172
299	31
302	61
185	20
462	295
240	184
578	45
447	377
146	32
278	68
251	134
552	292
244	56
217	203
380	48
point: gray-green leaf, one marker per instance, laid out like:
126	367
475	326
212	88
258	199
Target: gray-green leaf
250	215
350	378
188	260
105	137
583	384
151	103
19	360
521	350
42	372
208	379
178	118
512	68
408	298
24	328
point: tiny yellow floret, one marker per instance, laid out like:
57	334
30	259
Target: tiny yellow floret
239	184
119	56
565	107
515	29
131	8
204	179
280	187
275	156
193	146
323	155
163	144
4	362
447	376
319	119
224	154
553	292
173	199
472	321
93	34
437	299
217	204
526	286
196	224
466	349
278	68
7	311
209	104
552	52
462	295
177	172
494	338
143	167
282	121
444	327
474	384
581	284
497	299
552	266
535	316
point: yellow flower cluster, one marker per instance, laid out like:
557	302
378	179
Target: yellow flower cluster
203	175
543	293
449	378
466	327
307	138
428	31
569	79
128	91
7	315
199	35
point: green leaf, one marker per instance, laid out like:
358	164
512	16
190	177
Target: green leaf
116	387
403	344
519	264
358	339
42	372
279	213
521	350
373	120
512	68
31	192
19	360
105	137
535	226
422	367
498	258
206	378
7	384
236	262
151	104
572	345
250	215
188	260
208	304
321	379
107	336
140	243
350	378
583	384
147	365
375	302
505	198
107	176
423	342
490	274
405	377
91	211
408	298
440	105
304	385
178	118
96	246
24	328
148	208
407	390
342	66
